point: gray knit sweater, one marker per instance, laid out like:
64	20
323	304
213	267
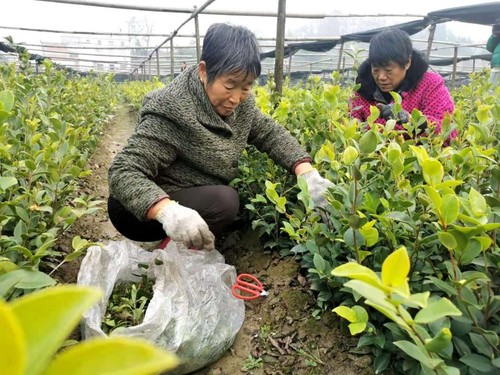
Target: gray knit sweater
181	142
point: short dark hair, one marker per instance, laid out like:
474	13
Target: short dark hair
228	49
391	45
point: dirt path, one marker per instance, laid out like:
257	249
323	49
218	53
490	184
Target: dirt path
278	329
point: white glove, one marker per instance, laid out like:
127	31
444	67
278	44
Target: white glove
317	187
183	224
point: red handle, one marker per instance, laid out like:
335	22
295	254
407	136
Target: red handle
252	289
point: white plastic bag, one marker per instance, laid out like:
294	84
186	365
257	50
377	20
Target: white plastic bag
192	312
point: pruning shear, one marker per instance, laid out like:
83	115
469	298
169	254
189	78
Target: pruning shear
248	287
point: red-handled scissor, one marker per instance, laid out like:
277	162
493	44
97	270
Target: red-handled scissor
248	287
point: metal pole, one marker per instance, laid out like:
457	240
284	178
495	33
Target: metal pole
455	55
158	64
149	66
197	33
473	65
289	66
340	55
172	58
432	30
280	47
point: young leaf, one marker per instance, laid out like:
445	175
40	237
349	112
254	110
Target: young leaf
124	356
346	312
437	310
368	142
477	203
448	240
395	269
12	347
7	100
450	208
356	271
433	171
58	310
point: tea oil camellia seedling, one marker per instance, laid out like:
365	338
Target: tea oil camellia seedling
437	201
406	251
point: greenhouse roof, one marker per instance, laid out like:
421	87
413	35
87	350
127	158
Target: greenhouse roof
482	14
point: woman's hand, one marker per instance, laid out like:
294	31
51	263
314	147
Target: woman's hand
316	185
387	112
183	224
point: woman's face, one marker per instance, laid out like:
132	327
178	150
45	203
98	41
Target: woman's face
227	91
389	77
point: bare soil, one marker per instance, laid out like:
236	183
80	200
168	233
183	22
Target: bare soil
278	329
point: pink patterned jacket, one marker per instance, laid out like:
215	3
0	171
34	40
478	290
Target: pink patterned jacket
425	91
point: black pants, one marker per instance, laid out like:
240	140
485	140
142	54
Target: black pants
218	205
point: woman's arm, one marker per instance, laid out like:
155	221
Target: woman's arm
436	101
134	168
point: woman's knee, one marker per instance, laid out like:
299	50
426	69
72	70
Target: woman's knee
228	203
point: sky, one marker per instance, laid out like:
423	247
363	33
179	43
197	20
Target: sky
58	16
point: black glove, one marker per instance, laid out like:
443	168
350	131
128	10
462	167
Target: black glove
387	112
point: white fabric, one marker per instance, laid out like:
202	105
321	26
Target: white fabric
317	187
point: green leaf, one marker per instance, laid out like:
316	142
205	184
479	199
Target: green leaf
22	213
496	362
353	238
374	114
12	346
319	263
481	344
368	142
393	152
471	252
28	279
350	155
420	153
433	171
414	352
7	182
58	310
78	243
124	356
437	310
477	203
483	113
381	362
448	240
435	198
7	100
377	298
7	266
477	362
417	300
440	342
450	208
371	235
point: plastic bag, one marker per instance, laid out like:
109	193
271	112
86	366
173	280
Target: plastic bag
192	312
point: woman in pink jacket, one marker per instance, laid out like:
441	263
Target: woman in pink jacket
393	65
